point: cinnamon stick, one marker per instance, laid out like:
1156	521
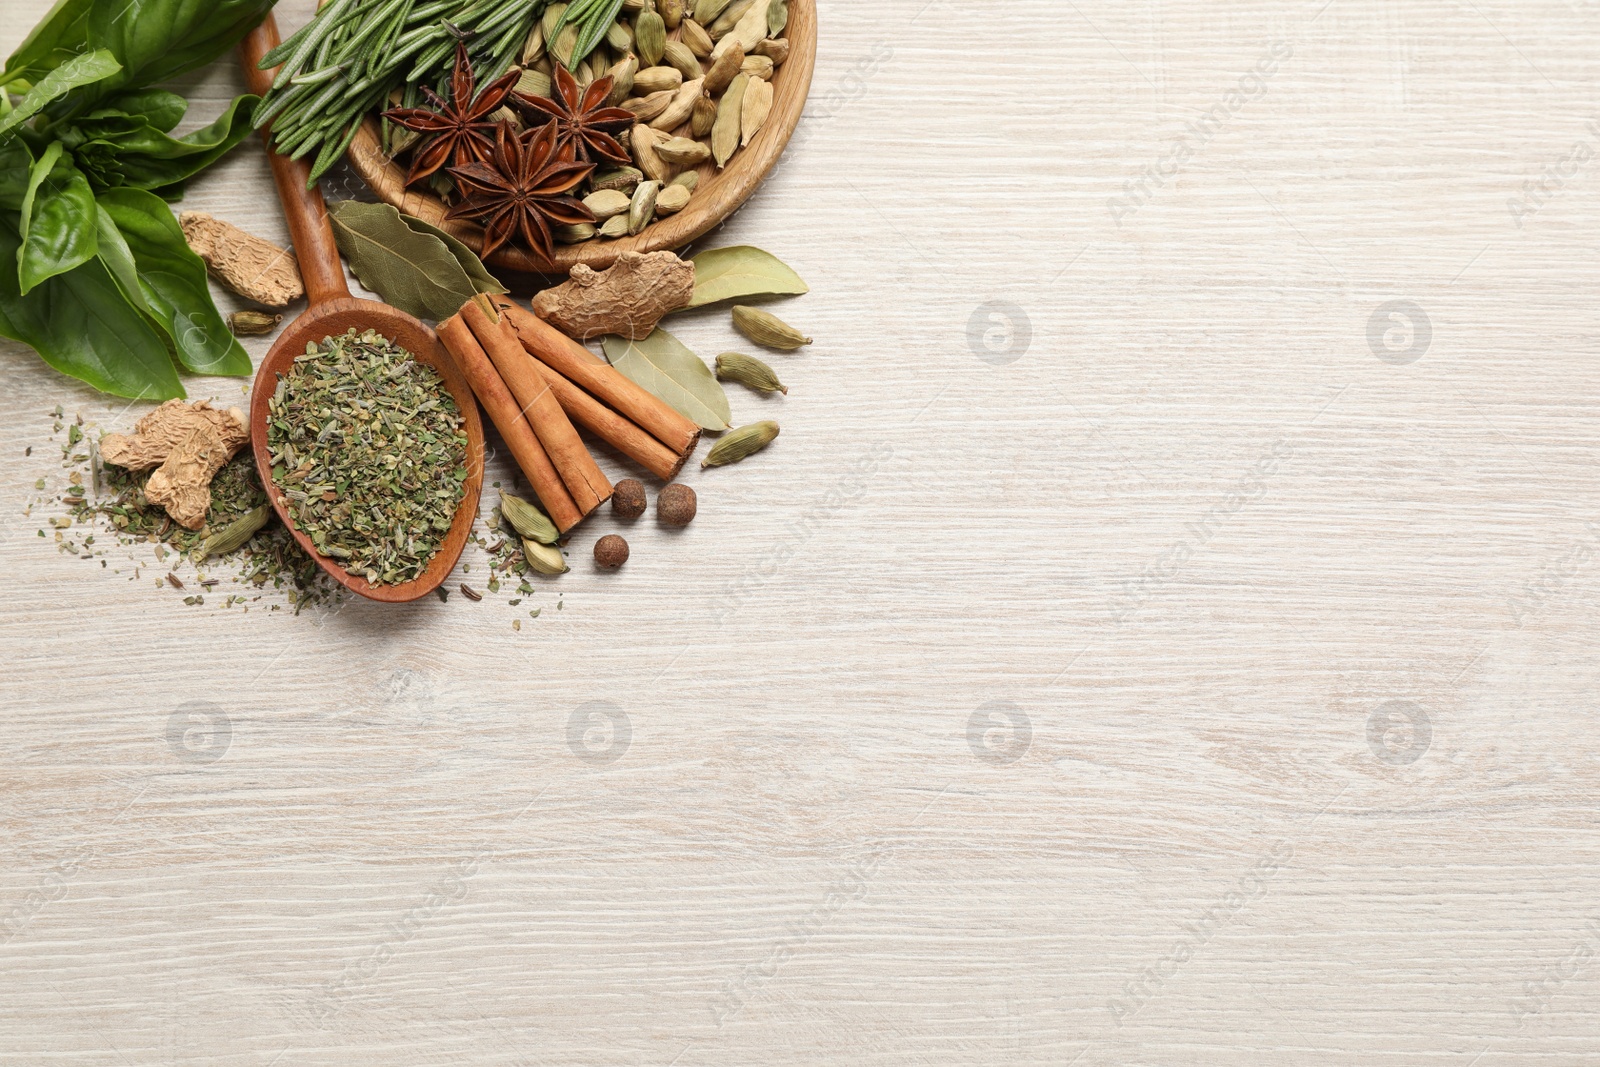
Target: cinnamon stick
622	434
505	413
579	366
522	375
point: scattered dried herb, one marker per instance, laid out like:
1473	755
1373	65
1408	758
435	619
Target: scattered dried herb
368	449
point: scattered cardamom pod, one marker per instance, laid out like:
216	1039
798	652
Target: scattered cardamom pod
577	233
757	106
646	108
683	152
742	443
748	370
607	202
616	226
689	179
723	69
765	328
703	117
252	323
622	179
682	106
658	79
671	12
649	36
777	17
758	67
546	559
677	55
527	519
643	208
644	141
585	73
774	48
233	536
695	36
672	199
725	132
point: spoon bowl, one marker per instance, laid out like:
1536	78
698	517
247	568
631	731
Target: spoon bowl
331	311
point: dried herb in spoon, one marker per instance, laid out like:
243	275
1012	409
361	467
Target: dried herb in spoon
368	448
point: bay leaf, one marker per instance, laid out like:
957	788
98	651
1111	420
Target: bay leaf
415	272
661	364
476	271
740	271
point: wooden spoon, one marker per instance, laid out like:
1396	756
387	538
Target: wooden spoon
331	311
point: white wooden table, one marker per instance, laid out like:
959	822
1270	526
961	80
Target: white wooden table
1163	634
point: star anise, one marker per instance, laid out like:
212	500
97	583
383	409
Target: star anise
522	190
460	127
580	119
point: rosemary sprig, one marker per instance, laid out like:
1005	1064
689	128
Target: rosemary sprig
593	18
353	54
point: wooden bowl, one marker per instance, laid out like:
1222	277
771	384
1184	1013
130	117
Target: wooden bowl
719	194
329	319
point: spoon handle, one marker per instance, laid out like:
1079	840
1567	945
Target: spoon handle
303	209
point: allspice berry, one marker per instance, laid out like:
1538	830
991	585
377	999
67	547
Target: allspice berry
611	552
627	499
676	505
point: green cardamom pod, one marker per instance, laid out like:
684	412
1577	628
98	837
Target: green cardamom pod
740	444
671	12
527	519
706	11
252	323
650	37
748	370
643	207
622	73
546	559
678	56
688	179
765	328
614	227
725	131
620	37
233	536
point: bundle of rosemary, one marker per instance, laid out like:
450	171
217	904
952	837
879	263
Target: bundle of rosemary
357	56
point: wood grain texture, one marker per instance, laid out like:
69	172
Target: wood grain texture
1198	532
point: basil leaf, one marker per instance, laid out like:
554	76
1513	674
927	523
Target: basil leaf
147	158
159	108
57	223
59	36
16	162
173	281
88	69
83	326
157	39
